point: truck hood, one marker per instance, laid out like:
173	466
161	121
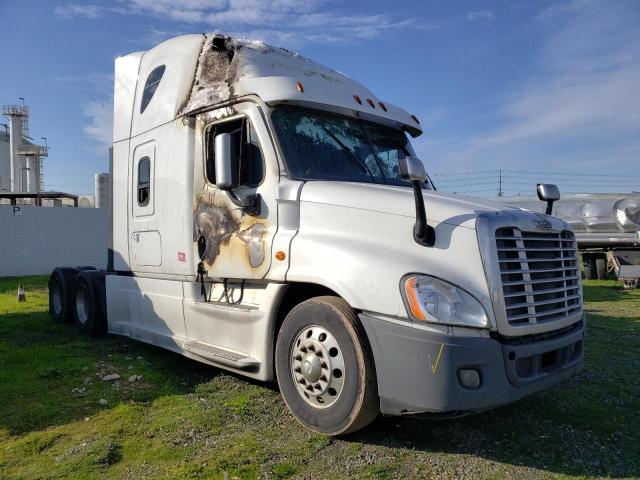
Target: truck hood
447	208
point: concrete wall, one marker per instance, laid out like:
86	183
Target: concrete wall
34	240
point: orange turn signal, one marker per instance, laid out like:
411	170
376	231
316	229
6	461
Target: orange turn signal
280	255
412	296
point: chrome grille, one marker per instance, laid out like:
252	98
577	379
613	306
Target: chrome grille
540	275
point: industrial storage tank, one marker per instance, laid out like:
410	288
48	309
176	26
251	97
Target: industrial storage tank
20	158
102	199
5	159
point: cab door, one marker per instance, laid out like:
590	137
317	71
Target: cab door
146	245
229	241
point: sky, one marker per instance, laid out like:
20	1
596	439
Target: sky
530	91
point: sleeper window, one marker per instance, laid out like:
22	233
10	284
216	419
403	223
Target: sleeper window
144	181
244	146
150	87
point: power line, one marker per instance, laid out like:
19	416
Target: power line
517	182
468	172
529	172
573	174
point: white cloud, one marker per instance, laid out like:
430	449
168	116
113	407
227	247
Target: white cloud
74	10
583	90
100	118
95	82
294	21
593	74
485	15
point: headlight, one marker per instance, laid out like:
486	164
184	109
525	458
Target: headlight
433	300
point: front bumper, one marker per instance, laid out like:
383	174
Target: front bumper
418	370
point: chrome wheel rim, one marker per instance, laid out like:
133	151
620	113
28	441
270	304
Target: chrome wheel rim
83	306
317	366
56	298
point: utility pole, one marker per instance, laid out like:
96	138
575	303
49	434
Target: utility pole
500	192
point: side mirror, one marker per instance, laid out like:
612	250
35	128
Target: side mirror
226	170
412	170
549	193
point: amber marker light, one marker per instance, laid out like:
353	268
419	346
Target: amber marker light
357	99
412	296
370	102
280	255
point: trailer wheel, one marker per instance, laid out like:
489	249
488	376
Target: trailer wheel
61	292
325	367
88	311
601	268
589	264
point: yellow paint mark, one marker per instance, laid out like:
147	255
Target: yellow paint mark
434	368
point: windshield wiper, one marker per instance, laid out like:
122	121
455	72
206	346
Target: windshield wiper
358	161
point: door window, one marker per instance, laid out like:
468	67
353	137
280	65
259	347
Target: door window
244	146
144	181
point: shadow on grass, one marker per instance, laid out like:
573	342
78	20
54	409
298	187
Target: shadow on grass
51	374
586	426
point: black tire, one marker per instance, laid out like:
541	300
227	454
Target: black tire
592	268
589	263
87	303
61	293
357	404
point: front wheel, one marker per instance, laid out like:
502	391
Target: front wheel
325	367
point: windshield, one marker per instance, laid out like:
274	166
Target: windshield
323	146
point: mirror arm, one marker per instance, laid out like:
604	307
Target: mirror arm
250	204
549	193
549	207
423	233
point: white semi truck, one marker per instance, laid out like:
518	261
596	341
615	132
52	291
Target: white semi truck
269	217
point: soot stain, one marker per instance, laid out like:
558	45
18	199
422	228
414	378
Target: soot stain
216	225
213	228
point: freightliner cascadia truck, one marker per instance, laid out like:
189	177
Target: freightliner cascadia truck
269	216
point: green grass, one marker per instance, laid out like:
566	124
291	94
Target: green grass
187	420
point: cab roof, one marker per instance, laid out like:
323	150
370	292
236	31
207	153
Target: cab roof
225	68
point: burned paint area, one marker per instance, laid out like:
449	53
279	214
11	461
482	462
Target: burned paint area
254	237
215	63
215	74
212	228
215	227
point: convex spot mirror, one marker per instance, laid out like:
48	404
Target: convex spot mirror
548	192
412	169
225	163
